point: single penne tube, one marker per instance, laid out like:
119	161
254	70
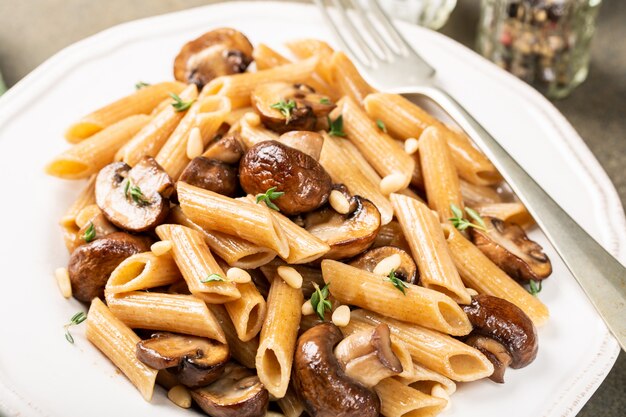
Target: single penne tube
277	342
345	168
238	87
232	249
197	265
252	132
514	212
151	138
207	114
167	312
118	343
142	271
91	155
307	48
429	248
345	77
378	148
141	101
405	119
413	304
482	275
432	349
247	313
399	400
235	115
85	198
441	180
215	212
290	404
424	380
243	352
474	195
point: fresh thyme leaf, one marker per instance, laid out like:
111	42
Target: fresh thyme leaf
397	282
180	105
75	320
134	192
90	233
285	107
535	287
268	196
381	125
476	217
324	101
461	223
212	278
319	300
140	85
335	127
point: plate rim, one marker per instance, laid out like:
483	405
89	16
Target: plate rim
568	403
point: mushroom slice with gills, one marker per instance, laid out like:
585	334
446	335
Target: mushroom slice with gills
495	352
346	234
507	245
101	227
212	175
367	356
508	325
198	361
91	264
320	381
407	271
391	234
222	51
284	107
228	149
237	393
305	183
134	199
308	142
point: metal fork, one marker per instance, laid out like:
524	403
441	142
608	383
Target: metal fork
395	65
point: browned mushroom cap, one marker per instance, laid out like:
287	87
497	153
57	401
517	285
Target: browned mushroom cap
237	393
495	352
134	199
507	246
219	52
284	107
199	361
346	234
228	149
505	323
321	383
211	175
304	181
91	265
308	142
407	271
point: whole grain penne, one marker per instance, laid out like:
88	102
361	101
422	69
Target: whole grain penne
243	352
514	212
307	48
85	198
399	400
142	271
248	312
251	134
474	195
290	404
424	380
344	77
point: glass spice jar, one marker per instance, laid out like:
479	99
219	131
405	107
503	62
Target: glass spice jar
544	42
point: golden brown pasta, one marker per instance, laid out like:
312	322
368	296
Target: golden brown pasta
248	312
142	271
243	352
399	400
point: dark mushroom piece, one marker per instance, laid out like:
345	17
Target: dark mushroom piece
507	245
237	393
346	234
228	149
322	384
407	271
503	332
219	52
197	361
134	199
284	107
308	142
212	175
91	264
391	234
304	181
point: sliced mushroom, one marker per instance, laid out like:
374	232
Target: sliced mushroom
301	106
507	245
505	323
391	234
198	361
407	271
134	199
495	352
101	227
237	393
228	149
308	142
91	264
347	234
322	384
304	181
212	175
219	52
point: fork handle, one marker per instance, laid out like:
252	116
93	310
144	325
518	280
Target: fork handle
600	275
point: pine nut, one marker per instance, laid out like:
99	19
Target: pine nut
411	145
290	276
439	392
180	396
341	316
63	281
195	145
307	308
161	247
238	275
252	119
385	266
339	202
392	183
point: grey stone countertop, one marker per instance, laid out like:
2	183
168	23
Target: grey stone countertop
33	30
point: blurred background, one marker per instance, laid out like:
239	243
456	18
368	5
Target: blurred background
33	30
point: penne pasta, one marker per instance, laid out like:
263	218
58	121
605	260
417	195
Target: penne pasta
142	271
343	76
310	276
514	212
248	312
253	133
425	380
86	197
290	404
399	400
474	195
243	352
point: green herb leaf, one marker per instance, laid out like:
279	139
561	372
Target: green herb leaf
397	282
319	300
212	278
381	125
139	85
180	105
534	287
75	320
90	233
476	217
134	192
285	107
325	101
268	196
335	127
461	224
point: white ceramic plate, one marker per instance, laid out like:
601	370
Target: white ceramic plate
41	374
